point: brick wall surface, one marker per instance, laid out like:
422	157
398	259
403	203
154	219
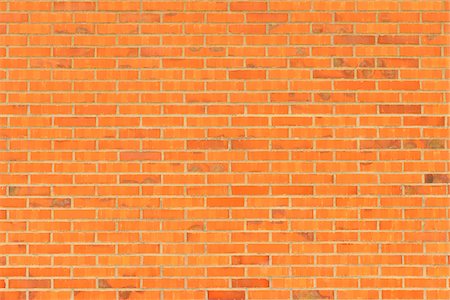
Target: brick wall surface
224	149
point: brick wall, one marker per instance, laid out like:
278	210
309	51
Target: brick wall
224	149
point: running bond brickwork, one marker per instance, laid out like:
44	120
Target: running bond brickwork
224	149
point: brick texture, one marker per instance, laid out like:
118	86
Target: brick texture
224	149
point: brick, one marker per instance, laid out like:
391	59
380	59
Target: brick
389	39
225	295
246	6
357	39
